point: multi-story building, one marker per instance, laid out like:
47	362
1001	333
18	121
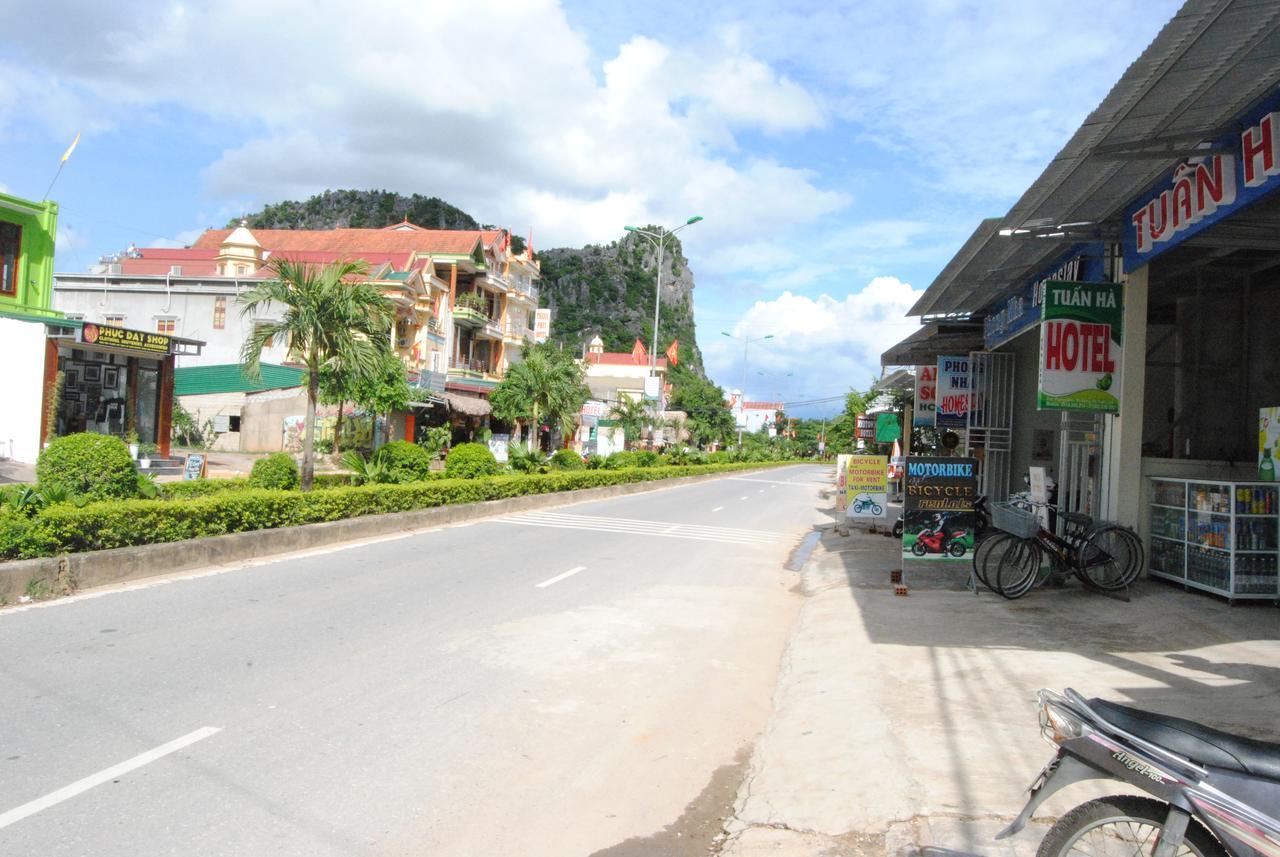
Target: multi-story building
464	299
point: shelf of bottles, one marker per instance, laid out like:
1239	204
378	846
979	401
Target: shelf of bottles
1223	537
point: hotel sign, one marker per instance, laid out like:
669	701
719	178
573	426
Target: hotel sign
1080	347
120	337
1236	170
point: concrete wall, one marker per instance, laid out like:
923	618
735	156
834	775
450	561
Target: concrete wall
189	302
22	353
215	404
262	419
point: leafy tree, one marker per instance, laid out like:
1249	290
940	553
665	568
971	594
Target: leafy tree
382	392
709	419
633	415
548	384
328	320
841	430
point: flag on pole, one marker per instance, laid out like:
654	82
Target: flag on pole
673	353
638	352
70	149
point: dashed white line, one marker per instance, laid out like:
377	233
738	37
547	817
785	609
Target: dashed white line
559	577
81	786
744	497
717	508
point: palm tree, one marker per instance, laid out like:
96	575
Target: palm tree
547	384
328	320
633	415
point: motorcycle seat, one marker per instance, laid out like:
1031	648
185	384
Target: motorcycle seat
1211	747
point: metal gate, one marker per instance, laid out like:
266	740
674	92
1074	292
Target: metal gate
1080	462
990	428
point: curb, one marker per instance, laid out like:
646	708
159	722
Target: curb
62	575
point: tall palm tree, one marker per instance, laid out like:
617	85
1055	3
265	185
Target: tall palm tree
547	384
633	415
330	318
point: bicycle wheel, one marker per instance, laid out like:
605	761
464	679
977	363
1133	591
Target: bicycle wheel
986	557
1019	568
1110	559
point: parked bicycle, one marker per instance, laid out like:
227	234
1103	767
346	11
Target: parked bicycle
1024	553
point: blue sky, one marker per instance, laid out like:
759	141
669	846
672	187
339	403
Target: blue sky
840	153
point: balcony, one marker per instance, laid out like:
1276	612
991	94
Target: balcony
492	329
494	281
517	333
468	317
527	292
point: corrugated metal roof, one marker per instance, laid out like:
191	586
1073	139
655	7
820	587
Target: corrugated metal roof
229	378
1207	66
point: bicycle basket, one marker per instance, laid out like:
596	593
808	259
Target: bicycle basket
1022	523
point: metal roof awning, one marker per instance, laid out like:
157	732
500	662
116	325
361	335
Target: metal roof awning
932	341
471	406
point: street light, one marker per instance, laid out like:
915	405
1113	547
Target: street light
659	241
746	342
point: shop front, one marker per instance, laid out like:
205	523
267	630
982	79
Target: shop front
113	380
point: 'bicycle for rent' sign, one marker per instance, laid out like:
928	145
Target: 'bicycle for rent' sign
866	487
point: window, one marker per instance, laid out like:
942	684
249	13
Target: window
167	326
10	253
241	270
74	316
219	312
117	320
234	424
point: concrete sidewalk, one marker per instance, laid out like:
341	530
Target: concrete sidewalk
907	725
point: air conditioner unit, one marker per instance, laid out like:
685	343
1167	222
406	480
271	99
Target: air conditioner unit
115	268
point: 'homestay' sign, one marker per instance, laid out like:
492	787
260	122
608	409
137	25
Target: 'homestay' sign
1235	171
954	398
1080	338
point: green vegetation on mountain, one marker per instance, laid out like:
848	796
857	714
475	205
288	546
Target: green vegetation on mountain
608	290
360	209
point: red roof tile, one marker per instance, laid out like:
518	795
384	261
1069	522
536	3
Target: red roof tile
353	242
622	358
763	406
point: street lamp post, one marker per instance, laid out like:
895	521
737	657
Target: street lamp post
746	342
659	241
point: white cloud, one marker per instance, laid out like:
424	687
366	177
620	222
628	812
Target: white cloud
497	107
829	344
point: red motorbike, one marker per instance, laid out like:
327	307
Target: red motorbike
931	541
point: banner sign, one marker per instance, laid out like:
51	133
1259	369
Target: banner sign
953	393
888	428
1237	170
842	479
498	445
1080	339
541	325
926	396
865	427
119	337
1086	263
867	487
938	519
1268	444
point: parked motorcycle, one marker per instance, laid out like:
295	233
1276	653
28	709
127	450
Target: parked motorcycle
1214	794
939	541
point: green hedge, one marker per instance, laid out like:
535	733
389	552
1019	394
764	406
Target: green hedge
469	460
96	466
63	528
278	470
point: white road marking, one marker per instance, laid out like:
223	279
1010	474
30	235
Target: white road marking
81	786
717	508
559	577
761	491
724	535
744	496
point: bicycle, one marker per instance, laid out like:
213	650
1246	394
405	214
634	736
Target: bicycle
1011	562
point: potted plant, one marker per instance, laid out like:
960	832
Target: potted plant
145	451
132	439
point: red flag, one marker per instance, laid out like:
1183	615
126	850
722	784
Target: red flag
638	352
673	353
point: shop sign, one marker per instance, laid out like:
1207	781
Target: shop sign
953	393
1021	310
842	479
1268	443
865	427
937	513
1237	170
119	337
498	445
541	325
926	396
1080	339
866	489
888	428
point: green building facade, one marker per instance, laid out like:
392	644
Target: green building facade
27	233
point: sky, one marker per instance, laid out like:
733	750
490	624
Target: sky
840	153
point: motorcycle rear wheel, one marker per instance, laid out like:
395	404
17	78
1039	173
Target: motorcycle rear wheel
1123	826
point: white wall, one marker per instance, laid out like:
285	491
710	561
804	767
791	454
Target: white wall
22	346
189	302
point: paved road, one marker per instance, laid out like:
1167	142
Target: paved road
553	683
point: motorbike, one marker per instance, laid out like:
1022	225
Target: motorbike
864	502
939	541
1213	794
